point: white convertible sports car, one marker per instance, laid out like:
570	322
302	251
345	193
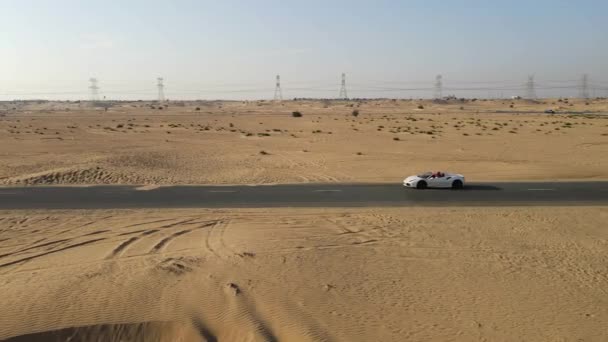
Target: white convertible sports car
435	180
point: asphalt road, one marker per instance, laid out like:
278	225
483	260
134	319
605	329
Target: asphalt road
303	195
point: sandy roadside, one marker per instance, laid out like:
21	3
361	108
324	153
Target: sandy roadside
261	143
465	274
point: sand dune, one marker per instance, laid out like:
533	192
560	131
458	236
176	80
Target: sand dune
305	275
261	143
406	274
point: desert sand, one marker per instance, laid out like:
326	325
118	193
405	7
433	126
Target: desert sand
315	274
441	274
261	143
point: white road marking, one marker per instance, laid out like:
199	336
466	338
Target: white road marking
541	189
327	191
9	193
222	191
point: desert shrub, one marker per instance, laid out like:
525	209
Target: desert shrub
396	138
264	153
355	112
197	108
420	107
296	114
359	153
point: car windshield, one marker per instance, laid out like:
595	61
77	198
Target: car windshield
425	175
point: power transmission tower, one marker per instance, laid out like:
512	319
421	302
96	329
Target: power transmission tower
584	88
438	87
161	89
343	95
278	93
530	88
94	89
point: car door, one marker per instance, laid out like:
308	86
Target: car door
447	180
434	182
442	182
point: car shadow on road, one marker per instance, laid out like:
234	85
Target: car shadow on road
471	187
479	187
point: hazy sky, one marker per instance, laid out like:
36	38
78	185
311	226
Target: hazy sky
234	49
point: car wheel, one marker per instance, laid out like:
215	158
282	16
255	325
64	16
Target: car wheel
421	185
457	184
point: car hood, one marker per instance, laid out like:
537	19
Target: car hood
411	179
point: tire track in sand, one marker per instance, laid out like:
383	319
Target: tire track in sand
120	248
162	243
80	244
34	247
214	240
125	244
